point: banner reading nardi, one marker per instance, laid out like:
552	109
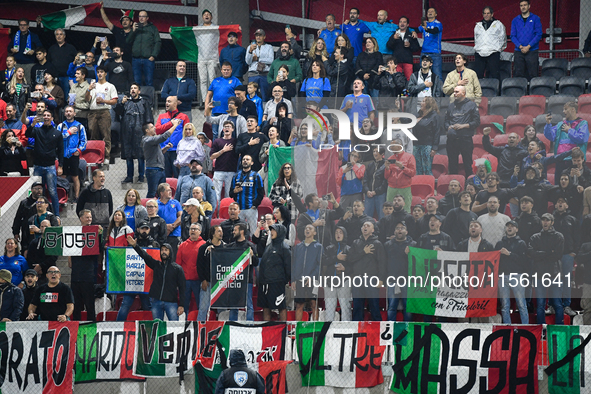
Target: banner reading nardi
452	284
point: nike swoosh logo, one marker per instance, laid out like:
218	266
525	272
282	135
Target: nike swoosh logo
279	299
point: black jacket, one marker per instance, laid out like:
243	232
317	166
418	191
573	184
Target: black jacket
340	75
508	157
100	202
441	240
353	226
449	202
227	382
26	209
457	223
373	179
49	145
169	278
517	262
569	227
228	229
372	264
387	224
12	302
397	257
536	189
368	63
204	260
428	130
400	52
186	223
390	85
324	233
36	255
584	258
546	249
484	246
572	196
461	112
28	293
157	229
330	256
529	224
275	265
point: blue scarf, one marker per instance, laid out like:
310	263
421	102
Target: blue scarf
8	74
17	41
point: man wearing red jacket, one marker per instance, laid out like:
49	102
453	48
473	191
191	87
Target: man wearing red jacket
400	169
161	127
186	257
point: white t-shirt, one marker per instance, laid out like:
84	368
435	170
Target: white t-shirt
473	246
493	227
105	90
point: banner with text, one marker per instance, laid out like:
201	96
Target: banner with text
127	272
229	277
452	284
71	240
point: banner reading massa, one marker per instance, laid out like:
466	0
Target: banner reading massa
37	357
452	284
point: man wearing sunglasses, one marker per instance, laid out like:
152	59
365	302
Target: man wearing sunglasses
52	301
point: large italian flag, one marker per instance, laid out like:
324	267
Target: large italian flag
316	170
575	376
68	17
436	297
186	38
335	351
263	342
127	272
71	241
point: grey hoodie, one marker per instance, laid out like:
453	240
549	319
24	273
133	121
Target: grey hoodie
152	151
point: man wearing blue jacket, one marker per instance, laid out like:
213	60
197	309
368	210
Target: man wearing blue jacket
182	87
235	55
526	33
74	135
306	267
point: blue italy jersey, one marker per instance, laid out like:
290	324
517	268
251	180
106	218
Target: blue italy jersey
250	182
223	89
329	38
168	212
314	88
432	42
355	34
362	106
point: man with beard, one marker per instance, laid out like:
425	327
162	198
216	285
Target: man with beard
240	242
41	214
535	188
353	219
135	112
493	223
52	301
120	33
397	250
119	71
29	290
492	189
248	191
233	219
26	209
458	220
475	242
436	239
187	183
461	120
35	254
388	223
169	280
98	199
451	199
285	57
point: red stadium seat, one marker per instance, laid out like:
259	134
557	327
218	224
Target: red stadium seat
417	200
224	204
109	316
487	121
483	106
444	180
532	105
265	207
501	140
216	222
585	103
517	124
173	183
139	315
423	185
545	140
94	154
440	165
145	201
550	177
586	117
477	140
439	196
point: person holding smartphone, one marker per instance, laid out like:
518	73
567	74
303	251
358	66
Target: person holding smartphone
350	180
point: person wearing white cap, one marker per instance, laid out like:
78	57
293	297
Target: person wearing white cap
193	214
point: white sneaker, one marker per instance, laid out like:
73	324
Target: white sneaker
106	162
550	310
569	311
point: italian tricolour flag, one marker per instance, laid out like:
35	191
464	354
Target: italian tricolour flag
263	342
438	297
68	17
316	170
72	241
127	272
188	39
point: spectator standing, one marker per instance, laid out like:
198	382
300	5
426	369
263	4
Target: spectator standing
162	124
436	239
186	259
204	269
189	148
307	258
182	87
135	213
28	290
461	120
396	213
317	53
77	95
480	206
54	92
247	107
171	211
509	156
533	186
526	33
330	33
359	103
17	91
219	92
432	31
403	43
49	147
135	111
156	223
355	30
375	185
321	218
335	263
195	178
74	135
340	71
350	180
61	54
120	71
232	115
389	82
248	191
13	123
26	209
259	57
83	277
239	232
462	76
400	169
34	221
35	252
425	83
493	223
235	54
8	73
286	57
457	222
169	280
145	41
281	194
97	199
316	86
153	154
23	45
226	160
451	199
396	250
101	95
121	33
116	234
12	154
271	105
475	242
490	39
382	30
207	41
52	301
233	219
367	64
193	212
38	70
250	143
353	220
427	131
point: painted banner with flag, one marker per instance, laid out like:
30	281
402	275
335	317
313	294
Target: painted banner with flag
316	170
127	272
105	351
37	357
575	376
452	284
229	277
345	354
467	358
72	241
188	39
68	17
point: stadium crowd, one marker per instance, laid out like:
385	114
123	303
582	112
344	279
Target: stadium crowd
493	193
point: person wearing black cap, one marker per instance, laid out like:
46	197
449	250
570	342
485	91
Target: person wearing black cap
26	209
457	221
425	83
436	239
235	54
29	290
397	250
513	263
546	249
12	298
169	280
120	33
239	378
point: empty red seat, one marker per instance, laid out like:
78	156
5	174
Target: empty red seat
265	207
501	140
173	183
488	121
483	106
444	180
532	105
417	200
440	165
94	154
517	124
423	185
545	140
585	103
224	204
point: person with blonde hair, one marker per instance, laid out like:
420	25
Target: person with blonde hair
134	211
17	91
317	52
427	131
189	148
